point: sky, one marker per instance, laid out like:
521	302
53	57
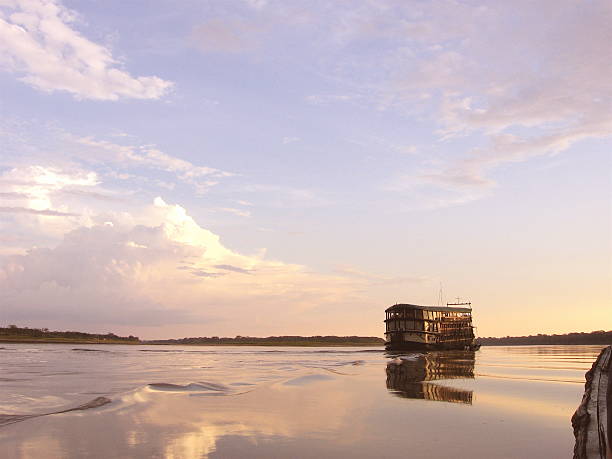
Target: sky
263	167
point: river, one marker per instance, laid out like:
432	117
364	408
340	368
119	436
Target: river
288	402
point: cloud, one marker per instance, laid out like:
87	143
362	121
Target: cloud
235	269
86	179
34	205
37	41
162	268
34	186
496	75
91	195
10	195
45	212
147	156
519	79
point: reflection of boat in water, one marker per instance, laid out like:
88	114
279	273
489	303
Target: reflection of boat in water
414	327
410	377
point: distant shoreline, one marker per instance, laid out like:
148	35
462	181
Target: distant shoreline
15	334
596	337
145	343
274	344
63	341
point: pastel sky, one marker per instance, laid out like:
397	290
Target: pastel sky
262	167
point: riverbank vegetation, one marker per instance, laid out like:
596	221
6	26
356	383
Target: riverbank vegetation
13	333
277	341
595	337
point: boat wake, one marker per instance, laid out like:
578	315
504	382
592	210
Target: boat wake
6	419
201	388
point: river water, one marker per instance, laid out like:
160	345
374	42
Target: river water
288	402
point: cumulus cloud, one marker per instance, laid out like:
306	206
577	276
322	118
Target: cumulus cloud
31	202
33	187
162	268
38	42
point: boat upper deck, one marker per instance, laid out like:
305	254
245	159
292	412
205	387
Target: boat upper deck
404	307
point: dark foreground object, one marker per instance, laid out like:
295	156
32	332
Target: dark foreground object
592	421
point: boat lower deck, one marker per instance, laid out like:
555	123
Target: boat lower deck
417	346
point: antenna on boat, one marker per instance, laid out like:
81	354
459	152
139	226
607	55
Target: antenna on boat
440	301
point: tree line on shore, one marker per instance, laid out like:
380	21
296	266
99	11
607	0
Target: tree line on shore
13	331
279	340
595	337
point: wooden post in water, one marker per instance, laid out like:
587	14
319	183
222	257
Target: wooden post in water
592	421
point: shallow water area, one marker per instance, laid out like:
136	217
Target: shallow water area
197	401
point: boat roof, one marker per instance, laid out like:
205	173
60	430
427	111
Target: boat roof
401	307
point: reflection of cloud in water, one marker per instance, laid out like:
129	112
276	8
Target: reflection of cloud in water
409	377
199	443
267	414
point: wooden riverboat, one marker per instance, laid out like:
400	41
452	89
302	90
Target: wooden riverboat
413	327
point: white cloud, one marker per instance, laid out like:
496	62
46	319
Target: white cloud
38	43
147	156
35	185
27	210
161	269
32	200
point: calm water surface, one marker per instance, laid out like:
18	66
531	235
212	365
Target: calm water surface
198	401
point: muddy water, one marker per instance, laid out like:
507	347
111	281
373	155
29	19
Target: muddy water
79	401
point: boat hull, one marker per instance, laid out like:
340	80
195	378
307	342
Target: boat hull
417	346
